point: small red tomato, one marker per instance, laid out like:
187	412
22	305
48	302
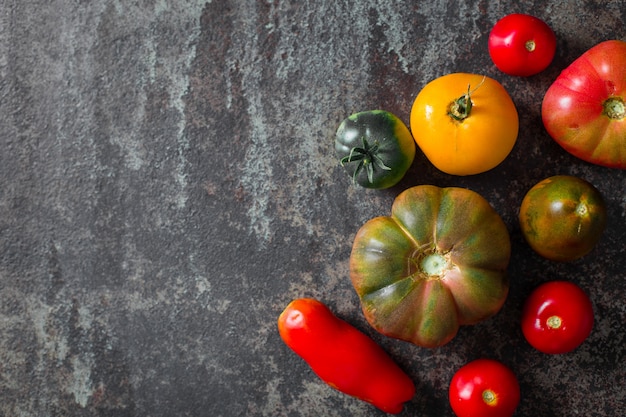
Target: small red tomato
520	44
484	388
557	317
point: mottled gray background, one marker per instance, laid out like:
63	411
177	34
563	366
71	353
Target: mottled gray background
169	184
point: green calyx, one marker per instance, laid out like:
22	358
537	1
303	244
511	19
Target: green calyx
615	108
434	264
461	108
367	159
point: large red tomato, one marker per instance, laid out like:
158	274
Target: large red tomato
584	110
484	388
557	317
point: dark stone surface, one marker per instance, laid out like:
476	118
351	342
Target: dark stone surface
169	184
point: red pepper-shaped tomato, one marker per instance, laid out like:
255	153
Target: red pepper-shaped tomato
584	110
438	262
343	357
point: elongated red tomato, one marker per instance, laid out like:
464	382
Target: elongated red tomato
343	357
584	110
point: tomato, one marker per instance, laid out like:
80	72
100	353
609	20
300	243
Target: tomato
375	147
584	110
562	217
438	262
343	357
484	388
521	44
464	123
557	317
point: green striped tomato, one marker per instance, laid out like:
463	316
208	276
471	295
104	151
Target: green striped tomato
563	217
437	262
375	147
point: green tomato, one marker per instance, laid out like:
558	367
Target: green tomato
375	147
563	217
438	262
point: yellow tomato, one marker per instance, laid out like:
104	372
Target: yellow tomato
464	123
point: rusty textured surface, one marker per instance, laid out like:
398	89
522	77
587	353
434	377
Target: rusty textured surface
168	185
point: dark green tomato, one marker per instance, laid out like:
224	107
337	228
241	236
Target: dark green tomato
375	147
562	217
438	262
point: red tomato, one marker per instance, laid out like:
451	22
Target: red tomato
484	388
343	357
584	110
557	317
520	44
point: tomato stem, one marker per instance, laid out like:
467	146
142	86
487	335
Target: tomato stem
367	158
434	264
554	322
614	108
489	397
461	108
530	45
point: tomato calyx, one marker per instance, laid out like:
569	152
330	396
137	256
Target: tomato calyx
367	158
554	322
489	397
614	108
428	263
530	45
461	108
434	264
582	210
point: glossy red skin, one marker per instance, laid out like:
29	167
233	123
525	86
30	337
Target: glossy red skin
473	379
508	42
573	108
565	300
343	357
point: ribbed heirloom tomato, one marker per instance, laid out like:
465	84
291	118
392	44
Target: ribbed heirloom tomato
584	110
438	262
464	123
